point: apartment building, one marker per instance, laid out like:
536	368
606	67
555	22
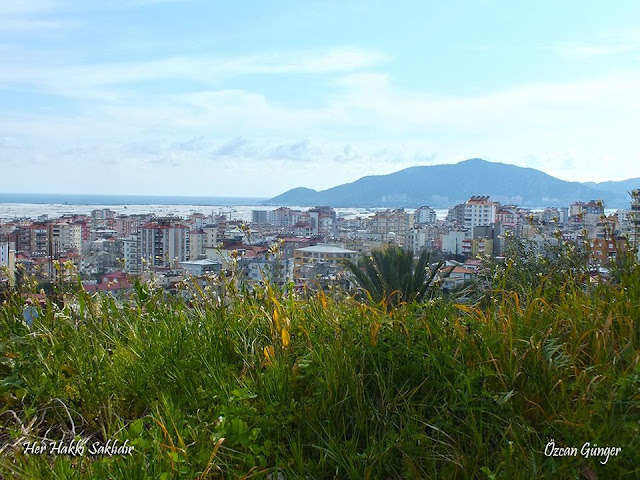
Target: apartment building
476	247
286	217
39	239
365	247
424	215
479	211
392	225
604	251
67	236
452	241
288	245
333	257
261	269
508	216
210	235
125	225
199	268
323	221
163	242
130	253
197	240
456	214
259	217
102	219
7	261
421	237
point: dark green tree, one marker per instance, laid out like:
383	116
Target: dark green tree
395	276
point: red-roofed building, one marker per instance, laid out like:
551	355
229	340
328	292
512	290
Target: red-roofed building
112	282
507	216
303	229
456	275
289	244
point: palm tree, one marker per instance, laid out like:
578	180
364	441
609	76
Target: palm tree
393	275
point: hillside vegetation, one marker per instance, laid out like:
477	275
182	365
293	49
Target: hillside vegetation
267	384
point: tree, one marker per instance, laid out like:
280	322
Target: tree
393	275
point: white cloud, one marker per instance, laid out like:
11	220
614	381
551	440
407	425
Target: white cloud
582	130
26	7
608	44
102	81
581	52
22	24
31	7
33	15
344	59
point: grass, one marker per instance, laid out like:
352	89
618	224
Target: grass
325	386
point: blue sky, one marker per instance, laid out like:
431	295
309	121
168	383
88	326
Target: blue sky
253	98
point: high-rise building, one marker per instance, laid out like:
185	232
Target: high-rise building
39	239
102	218
392	225
452	241
424	215
259	216
286	217
130	254
479	211
210	235
420	238
197	244
456	214
323	221
164	243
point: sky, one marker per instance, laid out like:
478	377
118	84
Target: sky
201	97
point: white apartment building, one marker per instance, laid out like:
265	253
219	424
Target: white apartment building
452	241
479	211
8	260
66	237
322	221
75	237
420	238
424	215
197	244
392	224
131	254
286	217
259	270
102	218
60	235
210	235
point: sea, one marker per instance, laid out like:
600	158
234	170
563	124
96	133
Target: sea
33	205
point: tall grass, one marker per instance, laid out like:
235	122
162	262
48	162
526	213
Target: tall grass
265	383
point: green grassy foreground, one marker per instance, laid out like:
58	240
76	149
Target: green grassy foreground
270	386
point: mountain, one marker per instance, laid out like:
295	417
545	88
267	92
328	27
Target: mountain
296	196
622	187
447	185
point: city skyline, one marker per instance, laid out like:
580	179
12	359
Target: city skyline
189	98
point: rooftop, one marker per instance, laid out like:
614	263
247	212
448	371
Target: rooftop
202	262
325	249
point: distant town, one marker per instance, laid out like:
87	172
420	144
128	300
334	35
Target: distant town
306	248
